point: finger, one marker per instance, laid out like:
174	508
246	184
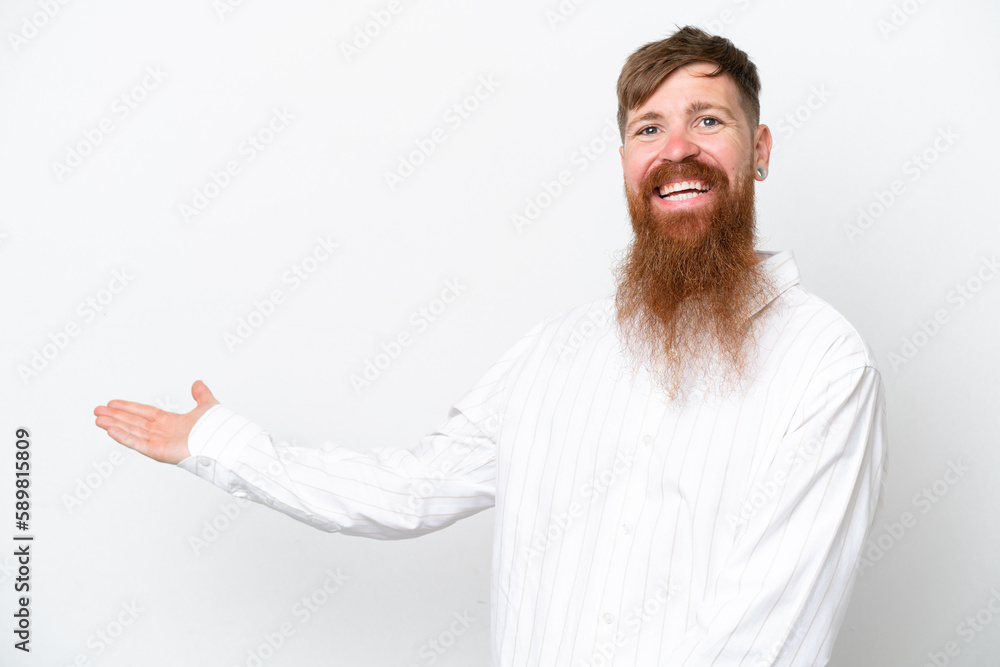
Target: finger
147	411
124	417
137	431
201	393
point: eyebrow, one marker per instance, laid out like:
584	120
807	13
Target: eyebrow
649	115
696	107
693	108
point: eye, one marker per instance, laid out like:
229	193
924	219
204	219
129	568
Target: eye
648	127
711	122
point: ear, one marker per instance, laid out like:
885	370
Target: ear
762	147
621	151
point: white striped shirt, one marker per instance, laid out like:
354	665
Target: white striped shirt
629	531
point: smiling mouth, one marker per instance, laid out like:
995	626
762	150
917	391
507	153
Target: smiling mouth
682	190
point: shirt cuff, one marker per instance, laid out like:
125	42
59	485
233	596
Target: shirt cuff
219	435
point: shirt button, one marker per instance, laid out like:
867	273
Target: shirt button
609	618
240	494
626	528
204	460
646	439
268	501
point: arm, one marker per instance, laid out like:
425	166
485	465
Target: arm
783	592
386	493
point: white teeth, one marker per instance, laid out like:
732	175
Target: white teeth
667	190
682	197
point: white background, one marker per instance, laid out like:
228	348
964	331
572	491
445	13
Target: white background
125	537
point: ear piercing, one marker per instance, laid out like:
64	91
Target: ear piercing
762	172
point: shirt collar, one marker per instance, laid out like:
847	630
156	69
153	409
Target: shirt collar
784	272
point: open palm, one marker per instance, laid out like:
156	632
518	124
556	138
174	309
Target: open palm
158	434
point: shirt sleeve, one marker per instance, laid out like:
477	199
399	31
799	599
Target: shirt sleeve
783	592
386	493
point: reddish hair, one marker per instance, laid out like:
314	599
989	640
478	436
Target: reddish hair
651	64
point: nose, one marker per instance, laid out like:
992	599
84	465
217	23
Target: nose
677	146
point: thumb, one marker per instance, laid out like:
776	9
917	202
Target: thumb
202	395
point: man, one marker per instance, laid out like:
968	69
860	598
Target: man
683	474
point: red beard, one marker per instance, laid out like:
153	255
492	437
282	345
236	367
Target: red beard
690	282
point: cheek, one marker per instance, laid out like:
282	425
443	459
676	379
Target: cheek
636	167
633	178
733	158
727	162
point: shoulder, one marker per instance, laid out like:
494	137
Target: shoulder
590	320
814	333
805	331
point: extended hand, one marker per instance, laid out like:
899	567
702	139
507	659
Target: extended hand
158	434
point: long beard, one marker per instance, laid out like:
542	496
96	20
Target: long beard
689	285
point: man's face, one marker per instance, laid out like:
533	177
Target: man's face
688	147
687	287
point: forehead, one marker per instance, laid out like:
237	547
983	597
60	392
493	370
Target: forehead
689	84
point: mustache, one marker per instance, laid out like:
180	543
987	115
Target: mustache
687	169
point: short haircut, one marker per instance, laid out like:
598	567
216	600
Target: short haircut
651	64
